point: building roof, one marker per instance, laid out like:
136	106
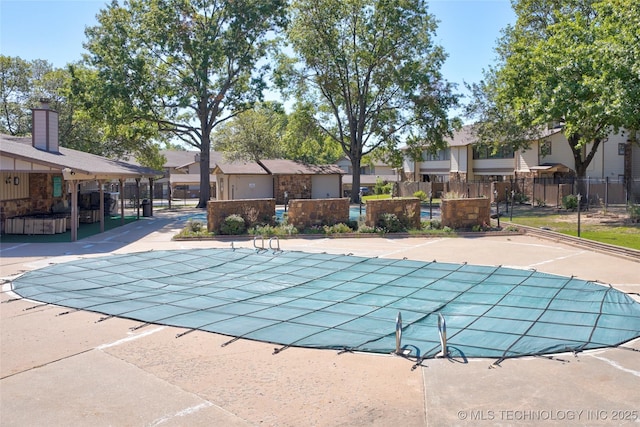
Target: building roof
462	137
551	167
182	159
84	165
466	135
291	167
240	168
187	179
275	167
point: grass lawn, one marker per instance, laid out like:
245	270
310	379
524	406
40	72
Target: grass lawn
606	228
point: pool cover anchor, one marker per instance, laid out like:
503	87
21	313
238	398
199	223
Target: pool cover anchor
442	331
278	350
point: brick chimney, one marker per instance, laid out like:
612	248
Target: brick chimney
44	128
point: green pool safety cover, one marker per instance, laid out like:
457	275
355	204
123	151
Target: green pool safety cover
333	301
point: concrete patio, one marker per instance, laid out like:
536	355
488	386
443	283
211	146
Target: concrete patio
73	369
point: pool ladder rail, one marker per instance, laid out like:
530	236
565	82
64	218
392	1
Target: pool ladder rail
442	331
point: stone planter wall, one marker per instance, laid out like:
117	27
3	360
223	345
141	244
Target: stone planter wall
253	211
465	213
406	209
305	213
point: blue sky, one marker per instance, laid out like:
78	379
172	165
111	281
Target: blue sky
54	30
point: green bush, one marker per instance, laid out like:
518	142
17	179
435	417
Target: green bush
366	229
570	202
233	225
270	230
194	226
382	187
420	195
337	229
194	229
431	224
520	198
390	223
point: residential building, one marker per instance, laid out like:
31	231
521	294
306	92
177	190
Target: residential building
548	158
277	178
369	174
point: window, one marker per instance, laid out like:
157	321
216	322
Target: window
482	152
621	147
440	155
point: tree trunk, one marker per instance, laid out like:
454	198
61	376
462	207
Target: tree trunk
205	185
355	180
581	162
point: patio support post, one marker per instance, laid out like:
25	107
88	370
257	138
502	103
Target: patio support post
151	196
137	198
74	209
121	182
495	193
101	185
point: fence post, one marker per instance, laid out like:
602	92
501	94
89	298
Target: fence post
606	192
588	185
533	193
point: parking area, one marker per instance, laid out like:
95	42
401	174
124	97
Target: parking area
77	369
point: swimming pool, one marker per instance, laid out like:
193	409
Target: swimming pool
354	214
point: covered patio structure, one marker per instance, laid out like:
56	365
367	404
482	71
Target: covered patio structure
41	178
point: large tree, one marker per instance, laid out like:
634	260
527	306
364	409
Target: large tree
84	116
563	62
185	65
619	50
303	140
22	84
373	70
253	135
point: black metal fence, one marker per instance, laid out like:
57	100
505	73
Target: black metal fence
550	192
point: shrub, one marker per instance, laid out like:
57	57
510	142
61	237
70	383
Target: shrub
194	226
365	229
570	202
634	212
520	198
382	187
194	229
481	227
269	230
314	229
337	228
233	225
420	195
390	223
432	224
453	195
